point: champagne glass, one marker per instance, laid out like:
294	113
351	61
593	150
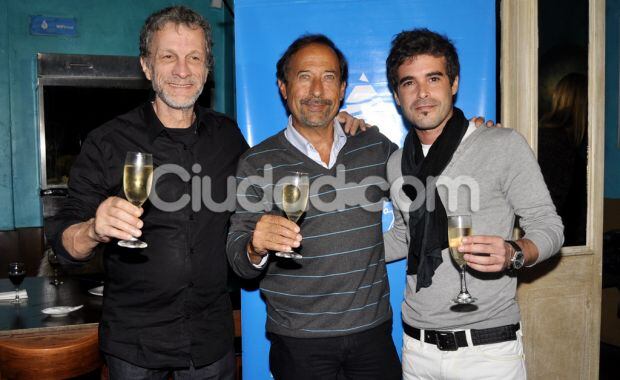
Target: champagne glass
295	189
17	273
137	181
458	227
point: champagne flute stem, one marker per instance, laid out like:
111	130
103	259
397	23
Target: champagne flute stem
463	283
16	295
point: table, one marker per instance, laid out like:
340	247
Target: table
34	345
26	317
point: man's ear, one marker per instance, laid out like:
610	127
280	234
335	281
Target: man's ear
396	98
282	88
455	85
146	68
343	89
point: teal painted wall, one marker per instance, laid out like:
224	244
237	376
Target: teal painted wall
612	82
6	177
104	27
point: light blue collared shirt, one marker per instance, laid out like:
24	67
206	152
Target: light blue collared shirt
304	146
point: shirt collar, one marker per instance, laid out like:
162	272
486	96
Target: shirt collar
340	138
301	143
155	127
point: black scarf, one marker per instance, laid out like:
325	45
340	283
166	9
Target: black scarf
429	229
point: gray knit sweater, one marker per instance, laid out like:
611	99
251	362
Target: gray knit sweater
340	286
509	182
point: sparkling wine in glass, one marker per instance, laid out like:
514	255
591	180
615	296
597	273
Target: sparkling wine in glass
458	227
17	273
295	188
137	182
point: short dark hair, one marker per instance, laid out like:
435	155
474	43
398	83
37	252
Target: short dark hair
179	15
408	44
303	41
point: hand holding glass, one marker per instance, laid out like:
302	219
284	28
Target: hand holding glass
17	273
137	181
458	227
295	189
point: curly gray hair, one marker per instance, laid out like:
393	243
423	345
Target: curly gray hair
179	15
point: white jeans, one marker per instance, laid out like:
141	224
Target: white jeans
488	361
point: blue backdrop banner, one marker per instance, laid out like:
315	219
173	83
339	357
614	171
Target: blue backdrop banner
363	30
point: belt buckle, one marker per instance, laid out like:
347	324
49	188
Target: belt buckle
446	341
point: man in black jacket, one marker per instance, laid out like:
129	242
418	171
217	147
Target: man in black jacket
166	307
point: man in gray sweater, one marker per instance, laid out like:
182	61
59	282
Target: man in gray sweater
448	167
328	312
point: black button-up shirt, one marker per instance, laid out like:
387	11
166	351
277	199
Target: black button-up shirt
166	304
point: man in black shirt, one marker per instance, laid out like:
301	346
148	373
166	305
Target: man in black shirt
166	307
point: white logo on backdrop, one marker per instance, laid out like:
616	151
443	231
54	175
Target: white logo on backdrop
375	108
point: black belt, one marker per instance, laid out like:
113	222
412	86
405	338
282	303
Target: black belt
452	340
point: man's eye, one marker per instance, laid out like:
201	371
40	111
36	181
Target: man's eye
166	57
407	83
330	77
434	79
304	76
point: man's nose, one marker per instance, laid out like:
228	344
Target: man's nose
316	88
423	90
181	69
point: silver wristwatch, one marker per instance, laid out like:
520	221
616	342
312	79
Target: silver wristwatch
518	258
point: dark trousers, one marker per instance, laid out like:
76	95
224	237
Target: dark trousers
368	355
223	369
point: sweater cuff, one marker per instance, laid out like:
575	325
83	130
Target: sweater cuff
262	262
241	262
546	247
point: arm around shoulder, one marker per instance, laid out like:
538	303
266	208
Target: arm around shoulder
396	240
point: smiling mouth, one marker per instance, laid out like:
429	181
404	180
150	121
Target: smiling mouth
425	108
180	85
316	104
316	107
